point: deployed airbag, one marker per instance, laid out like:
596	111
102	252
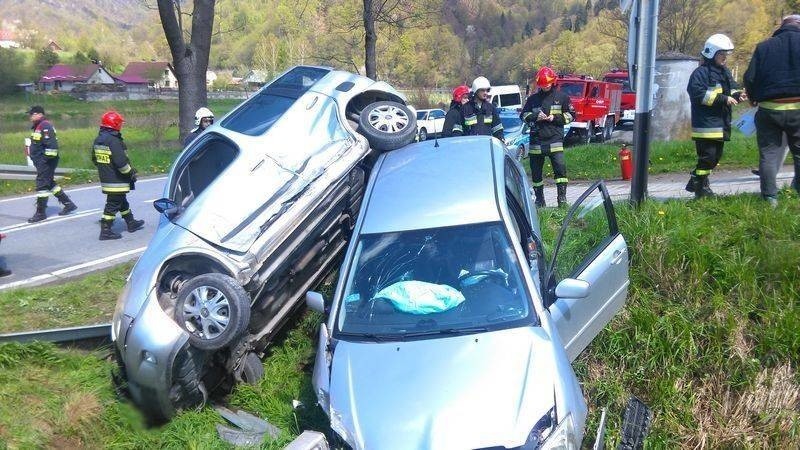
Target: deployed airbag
419	297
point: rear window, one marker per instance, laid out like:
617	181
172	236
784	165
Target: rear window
200	168
261	111
509	99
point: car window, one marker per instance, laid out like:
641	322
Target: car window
200	168
421	115
496	100
437	114
571	89
262	110
427	282
586	233
510	99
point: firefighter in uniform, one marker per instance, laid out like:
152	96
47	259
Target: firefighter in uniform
710	91
203	119
773	83
117	177
480	115
547	111
44	154
454	120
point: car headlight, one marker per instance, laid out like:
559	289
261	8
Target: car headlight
547	435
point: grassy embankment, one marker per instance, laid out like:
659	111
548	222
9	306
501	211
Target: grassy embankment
150	132
708	339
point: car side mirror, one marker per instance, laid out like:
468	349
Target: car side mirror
315	301
165	206
572	288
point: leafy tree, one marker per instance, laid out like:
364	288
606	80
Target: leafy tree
80	58
93	55
12	70
44	60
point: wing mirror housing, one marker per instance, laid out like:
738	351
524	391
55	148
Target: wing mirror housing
572	288
315	301
166	206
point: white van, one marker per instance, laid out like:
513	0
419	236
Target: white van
506	96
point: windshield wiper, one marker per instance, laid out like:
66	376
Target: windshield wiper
447	331
371	336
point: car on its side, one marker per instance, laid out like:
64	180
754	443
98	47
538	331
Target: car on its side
430	122
257	209
453	325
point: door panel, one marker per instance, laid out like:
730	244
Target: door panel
590	249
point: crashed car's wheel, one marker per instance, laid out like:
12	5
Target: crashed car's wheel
214	309
252	369
387	125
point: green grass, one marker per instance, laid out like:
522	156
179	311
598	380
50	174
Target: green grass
708	340
601	161
89	300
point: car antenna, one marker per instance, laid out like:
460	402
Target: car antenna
436	135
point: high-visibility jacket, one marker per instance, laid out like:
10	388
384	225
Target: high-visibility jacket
43	140
545	131
110	155
709	87
482	120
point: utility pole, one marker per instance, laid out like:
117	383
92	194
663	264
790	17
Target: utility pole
642	39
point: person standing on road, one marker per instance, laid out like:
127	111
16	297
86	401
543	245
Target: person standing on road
712	98
772	81
547	111
203	119
44	154
480	115
454	120
117	177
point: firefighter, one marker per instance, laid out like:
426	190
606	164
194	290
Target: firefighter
712	97
203	119
117	177
547	111
480	115
454	120
773	83
44	154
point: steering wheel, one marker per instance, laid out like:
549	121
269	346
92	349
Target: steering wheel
481	275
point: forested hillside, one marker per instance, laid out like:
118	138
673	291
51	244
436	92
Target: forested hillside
420	43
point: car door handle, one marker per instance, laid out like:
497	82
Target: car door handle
617	256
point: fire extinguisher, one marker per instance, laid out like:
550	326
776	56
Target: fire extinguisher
626	162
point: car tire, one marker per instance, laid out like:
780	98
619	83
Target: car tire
423	135
230	301
397	127
252	369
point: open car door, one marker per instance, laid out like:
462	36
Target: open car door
587	281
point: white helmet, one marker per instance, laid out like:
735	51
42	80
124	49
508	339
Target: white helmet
480	83
201	114
716	43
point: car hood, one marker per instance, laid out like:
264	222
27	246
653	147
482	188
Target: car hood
471	391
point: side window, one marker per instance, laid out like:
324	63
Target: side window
438	114
496	100
585	234
200	168
595	91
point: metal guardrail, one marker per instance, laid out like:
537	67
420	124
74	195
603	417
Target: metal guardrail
72	334
17	172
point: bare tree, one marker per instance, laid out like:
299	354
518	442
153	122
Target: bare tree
392	13
683	24
190	49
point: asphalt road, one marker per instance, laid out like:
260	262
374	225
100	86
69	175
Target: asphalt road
67	246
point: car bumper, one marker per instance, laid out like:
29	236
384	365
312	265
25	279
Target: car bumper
628	115
147	346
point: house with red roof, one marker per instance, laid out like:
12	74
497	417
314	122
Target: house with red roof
142	76
8	39
63	77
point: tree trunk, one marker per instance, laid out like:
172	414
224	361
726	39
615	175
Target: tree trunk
370	39
190	60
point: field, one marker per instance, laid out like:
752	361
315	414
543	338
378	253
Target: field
708	340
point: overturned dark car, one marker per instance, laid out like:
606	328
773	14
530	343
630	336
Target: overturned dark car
256	211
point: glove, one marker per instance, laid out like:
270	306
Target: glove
133	176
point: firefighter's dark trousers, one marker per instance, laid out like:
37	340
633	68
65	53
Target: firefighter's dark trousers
45	176
555	151
771	125
116	203
708	155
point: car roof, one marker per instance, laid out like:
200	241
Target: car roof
423	186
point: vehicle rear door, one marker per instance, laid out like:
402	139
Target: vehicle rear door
587	279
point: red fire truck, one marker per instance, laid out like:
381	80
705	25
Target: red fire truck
596	103
628	96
